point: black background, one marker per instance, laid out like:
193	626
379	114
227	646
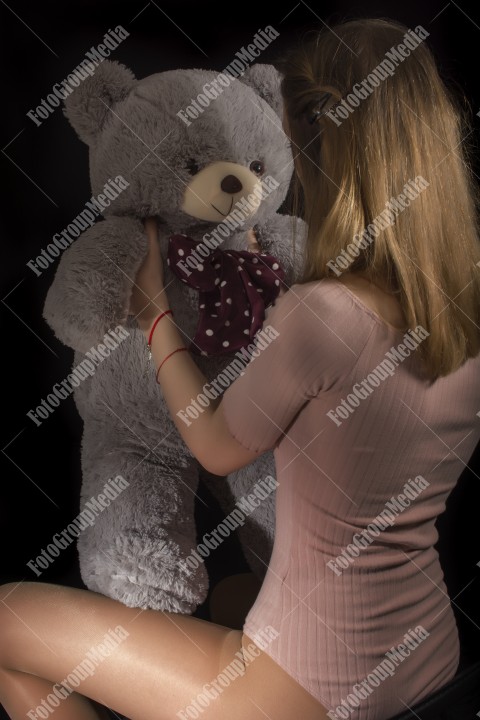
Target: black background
45	184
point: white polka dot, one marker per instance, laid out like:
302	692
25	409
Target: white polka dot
229	301
259	289
239	267
181	252
227	323
225	343
208	332
199	267
216	266
277	282
259	272
242	260
275	266
255	260
217	304
223	283
217	280
247	332
246	312
213	315
250	284
202	306
168	261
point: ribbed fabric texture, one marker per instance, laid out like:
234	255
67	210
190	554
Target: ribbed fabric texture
336	624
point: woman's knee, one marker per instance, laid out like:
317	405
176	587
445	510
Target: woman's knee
15	596
7	589
13	592
18	603
8	601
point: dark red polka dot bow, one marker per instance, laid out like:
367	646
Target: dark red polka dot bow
235	287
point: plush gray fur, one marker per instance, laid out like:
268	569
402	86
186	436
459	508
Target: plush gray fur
132	552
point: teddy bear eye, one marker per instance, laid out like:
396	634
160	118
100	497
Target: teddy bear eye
257	167
192	166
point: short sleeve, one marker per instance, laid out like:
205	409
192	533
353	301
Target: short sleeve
310	340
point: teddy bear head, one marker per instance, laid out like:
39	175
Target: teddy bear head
192	145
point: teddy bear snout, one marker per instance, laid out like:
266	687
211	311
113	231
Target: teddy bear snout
231	184
213	192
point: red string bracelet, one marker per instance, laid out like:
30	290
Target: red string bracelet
149	344
155	325
168	356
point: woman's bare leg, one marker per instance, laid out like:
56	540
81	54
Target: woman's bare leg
148	665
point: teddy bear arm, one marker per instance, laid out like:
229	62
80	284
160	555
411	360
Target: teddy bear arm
91	290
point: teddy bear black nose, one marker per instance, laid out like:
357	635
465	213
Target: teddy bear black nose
231	184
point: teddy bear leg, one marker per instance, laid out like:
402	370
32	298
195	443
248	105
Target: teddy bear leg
139	548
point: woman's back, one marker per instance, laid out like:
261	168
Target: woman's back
367	451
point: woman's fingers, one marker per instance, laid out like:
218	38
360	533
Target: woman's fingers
151	228
252	242
153	264
148	286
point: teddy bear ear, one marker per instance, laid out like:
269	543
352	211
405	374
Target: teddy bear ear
89	104
265	79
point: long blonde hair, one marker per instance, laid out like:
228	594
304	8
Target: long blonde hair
410	125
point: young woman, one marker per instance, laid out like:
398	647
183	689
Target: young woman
368	393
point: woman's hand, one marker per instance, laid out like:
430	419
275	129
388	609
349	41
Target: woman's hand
252	242
148	295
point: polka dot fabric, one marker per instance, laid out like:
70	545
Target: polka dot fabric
235	287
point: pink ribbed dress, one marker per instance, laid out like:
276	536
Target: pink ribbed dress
341	601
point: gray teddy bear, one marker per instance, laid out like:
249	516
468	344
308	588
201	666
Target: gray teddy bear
149	158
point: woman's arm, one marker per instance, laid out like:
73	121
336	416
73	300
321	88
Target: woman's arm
208	436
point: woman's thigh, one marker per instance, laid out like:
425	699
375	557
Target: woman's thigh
146	664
